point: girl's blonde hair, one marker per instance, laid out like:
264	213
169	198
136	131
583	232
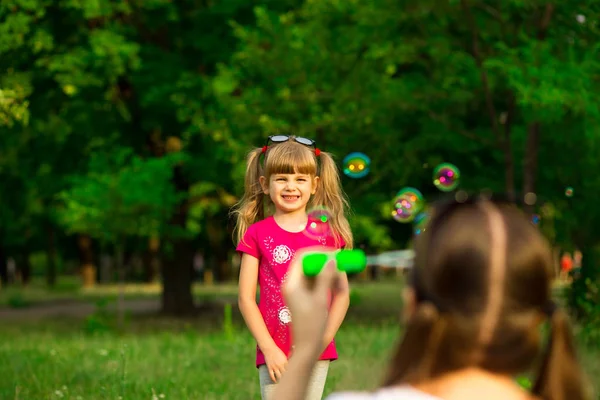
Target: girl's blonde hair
482	279
288	158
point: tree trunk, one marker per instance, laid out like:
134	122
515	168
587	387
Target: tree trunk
509	170
51	256
86	257
177	270
177	267
505	140
219	246
3	267
530	162
25	267
177	299
151	261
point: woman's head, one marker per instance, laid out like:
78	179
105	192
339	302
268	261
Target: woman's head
480	287
289	174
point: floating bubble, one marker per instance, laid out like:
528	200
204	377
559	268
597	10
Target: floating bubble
414	196
404	209
530	198
461	196
356	165
569	191
318	224
446	177
420	222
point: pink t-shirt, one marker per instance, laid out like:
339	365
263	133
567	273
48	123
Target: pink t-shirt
275	247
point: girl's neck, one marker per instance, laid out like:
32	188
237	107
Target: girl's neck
474	383
293	221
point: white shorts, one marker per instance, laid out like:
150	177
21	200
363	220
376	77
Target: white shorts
315	386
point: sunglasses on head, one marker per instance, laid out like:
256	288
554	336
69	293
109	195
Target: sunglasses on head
285	138
297	139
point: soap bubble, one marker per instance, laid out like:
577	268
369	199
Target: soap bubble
414	196
404	209
356	165
569	191
446	177
318	224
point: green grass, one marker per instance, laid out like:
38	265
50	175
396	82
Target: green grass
68	288
158	358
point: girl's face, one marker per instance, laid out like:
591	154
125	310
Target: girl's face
289	192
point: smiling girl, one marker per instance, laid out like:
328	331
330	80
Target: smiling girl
286	176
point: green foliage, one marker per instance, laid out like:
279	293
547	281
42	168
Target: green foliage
228	328
16	300
406	84
205	205
355	297
13	108
122	195
525	382
589	306
101	321
367	231
91	90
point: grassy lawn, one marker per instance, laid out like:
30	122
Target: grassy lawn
68	288
159	358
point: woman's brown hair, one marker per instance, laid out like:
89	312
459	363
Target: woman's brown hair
482	282
288	158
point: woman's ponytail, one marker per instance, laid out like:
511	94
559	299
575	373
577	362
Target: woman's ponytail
416	356
560	376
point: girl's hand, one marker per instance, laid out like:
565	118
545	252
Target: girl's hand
307	300
276	361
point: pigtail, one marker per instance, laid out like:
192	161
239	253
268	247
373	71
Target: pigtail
560	376
250	208
416	356
330	195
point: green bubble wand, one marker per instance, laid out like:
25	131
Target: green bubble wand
349	261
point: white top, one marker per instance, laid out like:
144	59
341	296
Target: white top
393	393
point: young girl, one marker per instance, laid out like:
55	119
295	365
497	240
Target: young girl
479	291
286	176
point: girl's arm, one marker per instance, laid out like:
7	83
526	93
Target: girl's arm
338	310
247	303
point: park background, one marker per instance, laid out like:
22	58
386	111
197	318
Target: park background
124	126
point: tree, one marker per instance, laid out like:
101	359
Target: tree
499	88
470	82
121	196
99	76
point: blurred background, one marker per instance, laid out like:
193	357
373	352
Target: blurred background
124	127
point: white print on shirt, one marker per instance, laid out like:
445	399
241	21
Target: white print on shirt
285	316
282	254
268	241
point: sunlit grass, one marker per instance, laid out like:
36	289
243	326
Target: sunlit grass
178	365
157	358
69	288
